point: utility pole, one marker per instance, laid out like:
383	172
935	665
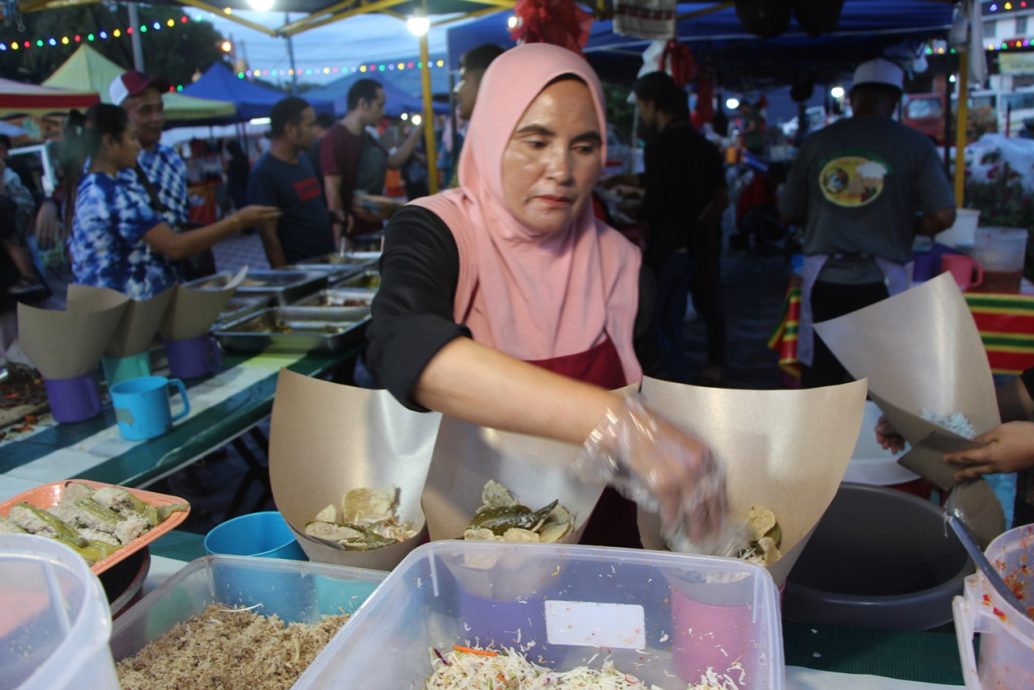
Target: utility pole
290	56
138	51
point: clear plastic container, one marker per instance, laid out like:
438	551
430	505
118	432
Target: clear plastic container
1006	634
297	591
662	617
55	619
1002	252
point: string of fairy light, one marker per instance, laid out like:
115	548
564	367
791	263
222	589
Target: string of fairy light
227	47
368	68
90	37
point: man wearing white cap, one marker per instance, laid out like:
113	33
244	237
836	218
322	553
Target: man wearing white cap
160	174
863	188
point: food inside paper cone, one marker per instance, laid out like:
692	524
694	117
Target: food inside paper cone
502	518
956	422
759	534
368	520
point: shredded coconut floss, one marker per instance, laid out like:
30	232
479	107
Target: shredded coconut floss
230	649
472	668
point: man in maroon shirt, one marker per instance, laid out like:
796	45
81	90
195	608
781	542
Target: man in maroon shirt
354	162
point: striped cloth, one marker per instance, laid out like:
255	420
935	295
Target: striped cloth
1005	323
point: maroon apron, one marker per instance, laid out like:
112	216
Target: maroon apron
613	520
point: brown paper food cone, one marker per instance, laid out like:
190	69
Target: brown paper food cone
63	344
534	469
920	350
784	450
192	312
139	324
326	439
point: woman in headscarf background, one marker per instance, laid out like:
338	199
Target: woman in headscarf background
117	240
506	304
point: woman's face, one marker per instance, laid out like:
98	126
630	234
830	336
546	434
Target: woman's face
553	158
124	150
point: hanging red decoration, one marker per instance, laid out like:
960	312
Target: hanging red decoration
560	22
677	60
704	112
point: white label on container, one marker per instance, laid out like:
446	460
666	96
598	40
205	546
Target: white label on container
587	623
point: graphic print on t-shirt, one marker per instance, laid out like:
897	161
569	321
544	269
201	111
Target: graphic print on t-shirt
852	181
307	189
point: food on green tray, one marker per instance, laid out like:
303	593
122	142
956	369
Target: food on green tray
765	537
228	648
502	518
955	422
477	668
368	520
94	523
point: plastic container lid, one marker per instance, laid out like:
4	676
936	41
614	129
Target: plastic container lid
662	617
56	622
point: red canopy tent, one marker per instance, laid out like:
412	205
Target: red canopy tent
29	99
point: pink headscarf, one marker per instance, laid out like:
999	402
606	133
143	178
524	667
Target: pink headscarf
529	295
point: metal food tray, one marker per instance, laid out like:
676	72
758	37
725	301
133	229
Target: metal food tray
309	330
370	279
282	286
241	306
335	270
339	297
360	259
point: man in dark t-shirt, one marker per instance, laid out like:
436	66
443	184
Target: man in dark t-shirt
354	163
284	178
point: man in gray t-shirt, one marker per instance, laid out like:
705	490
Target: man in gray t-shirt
863	187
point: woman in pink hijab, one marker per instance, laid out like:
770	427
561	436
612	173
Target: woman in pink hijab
506	304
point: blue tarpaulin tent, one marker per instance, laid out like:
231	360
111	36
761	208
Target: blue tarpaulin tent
397	100
866	28
251	99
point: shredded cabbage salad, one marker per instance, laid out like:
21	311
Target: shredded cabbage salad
470	668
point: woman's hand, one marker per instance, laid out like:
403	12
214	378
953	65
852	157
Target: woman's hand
651	460
254	216
1007	448
888	437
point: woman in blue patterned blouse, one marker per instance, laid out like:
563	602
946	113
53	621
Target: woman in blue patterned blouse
118	241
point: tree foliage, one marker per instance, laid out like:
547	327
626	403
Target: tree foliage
174	53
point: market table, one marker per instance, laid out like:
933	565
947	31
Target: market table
1005	323
224	407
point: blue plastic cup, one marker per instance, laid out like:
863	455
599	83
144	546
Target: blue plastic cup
265	534
142	406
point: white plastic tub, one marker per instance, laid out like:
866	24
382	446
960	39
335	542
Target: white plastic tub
54	618
963	232
662	617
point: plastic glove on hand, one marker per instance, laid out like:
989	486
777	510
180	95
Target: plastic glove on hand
664	469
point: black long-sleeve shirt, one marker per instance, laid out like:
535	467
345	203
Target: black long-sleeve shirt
413	309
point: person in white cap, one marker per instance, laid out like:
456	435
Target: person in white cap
863	188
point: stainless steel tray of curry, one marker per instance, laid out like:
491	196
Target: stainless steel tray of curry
296	329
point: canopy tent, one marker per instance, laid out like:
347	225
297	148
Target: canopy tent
866	28
17	98
87	66
397	101
250	100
